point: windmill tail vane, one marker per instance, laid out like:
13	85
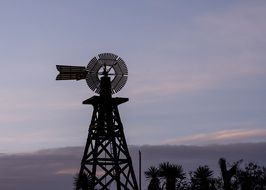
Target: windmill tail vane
71	72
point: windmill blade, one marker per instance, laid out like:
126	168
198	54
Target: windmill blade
107	58
104	65
71	72
68	76
70	69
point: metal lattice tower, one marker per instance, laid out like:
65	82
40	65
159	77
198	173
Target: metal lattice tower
106	159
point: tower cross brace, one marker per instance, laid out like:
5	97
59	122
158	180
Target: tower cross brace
106	156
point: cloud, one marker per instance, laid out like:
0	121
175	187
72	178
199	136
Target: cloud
167	86
235	39
11	118
225	136
220	47
55	168
67	171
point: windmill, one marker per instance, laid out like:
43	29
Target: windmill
106	158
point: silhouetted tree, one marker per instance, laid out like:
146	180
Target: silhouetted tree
171	172
252	177
153	175
83	182
202	179
182	184
227	174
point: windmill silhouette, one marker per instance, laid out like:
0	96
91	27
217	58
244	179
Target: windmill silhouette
106	158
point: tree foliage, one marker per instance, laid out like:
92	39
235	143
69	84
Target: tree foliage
252	177
202	179
172	174
153	175
233	177
83	182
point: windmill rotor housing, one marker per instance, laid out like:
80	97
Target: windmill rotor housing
114	67
103	65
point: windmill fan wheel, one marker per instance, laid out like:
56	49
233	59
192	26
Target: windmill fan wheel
107	64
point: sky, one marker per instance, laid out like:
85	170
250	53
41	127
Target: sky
197	70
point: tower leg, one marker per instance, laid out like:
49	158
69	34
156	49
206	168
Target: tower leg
106	157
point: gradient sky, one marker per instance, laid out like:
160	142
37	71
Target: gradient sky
197	70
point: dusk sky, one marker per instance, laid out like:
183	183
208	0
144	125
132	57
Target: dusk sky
197	70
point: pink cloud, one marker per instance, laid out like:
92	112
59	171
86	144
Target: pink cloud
234	135
73	171
67	171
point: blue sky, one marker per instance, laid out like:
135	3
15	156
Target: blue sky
197	70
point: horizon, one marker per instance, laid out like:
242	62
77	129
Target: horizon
144	145
57	171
